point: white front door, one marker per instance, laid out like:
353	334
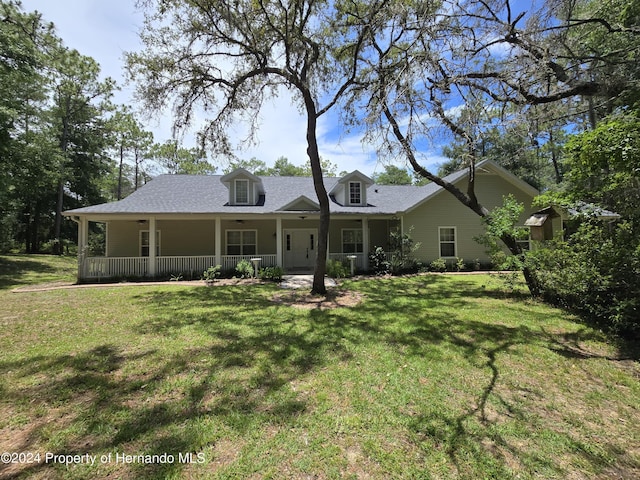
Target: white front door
299	247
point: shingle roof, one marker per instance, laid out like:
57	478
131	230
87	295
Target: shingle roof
194	194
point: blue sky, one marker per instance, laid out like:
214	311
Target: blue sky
105	30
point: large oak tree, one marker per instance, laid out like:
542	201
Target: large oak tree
223	58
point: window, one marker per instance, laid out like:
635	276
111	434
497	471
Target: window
355	193
352	241
144	243
447	238
242	192
242	242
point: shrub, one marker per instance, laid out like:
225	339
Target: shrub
271	273
211	273
337	269
244	269
438	265
403	247
595	272
378	262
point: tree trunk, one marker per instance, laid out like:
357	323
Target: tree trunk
64	142
35	227
468	199
119	195
529	275
57	246
323	198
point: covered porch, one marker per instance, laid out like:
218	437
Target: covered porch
188	246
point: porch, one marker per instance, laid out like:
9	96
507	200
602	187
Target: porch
188	247
97	268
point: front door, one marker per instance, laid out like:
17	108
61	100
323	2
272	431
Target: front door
300	249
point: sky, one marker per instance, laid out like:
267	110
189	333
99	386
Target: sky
105	30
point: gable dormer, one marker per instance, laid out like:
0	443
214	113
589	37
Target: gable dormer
244	187
351	190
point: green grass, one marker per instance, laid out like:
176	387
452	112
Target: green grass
429	377
19	270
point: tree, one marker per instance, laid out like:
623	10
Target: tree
393	175
460	68
79	102
253	165
25	39
604	166
128	138
283	168
178	160
226	57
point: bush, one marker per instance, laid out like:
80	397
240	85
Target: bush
597	273
337	269
211	273
403	248
438	265
244	269
271	273
378	262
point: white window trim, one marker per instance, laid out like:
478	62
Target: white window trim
158	243
455	242
235	191
350	230
360	192
226	240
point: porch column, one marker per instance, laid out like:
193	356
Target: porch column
218	241
365	243
279	260
151	270
83	242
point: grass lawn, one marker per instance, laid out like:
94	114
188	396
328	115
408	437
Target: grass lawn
428	377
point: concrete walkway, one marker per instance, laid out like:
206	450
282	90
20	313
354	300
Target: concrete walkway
303	281
288	281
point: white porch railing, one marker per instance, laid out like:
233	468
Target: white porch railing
190	265
105	267
193	266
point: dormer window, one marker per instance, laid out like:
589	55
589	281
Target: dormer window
244	187
355	193
242	191
351	190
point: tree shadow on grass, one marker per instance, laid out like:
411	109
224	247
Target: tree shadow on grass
477	430
17	271
234	379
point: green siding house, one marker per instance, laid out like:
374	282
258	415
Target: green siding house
201	221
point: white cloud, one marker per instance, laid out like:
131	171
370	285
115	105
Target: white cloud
105	30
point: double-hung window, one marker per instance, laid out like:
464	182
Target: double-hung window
447	240
242	242
355	193
144	243
352	241
242	191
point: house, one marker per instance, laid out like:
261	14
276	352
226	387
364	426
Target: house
199	221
